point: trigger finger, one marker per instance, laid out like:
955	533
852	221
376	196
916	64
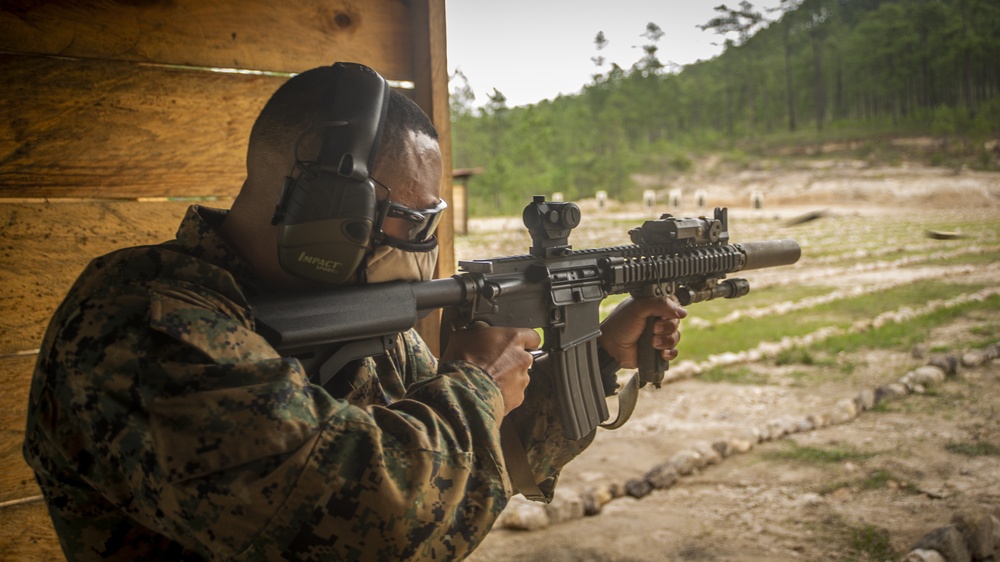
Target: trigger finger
530	338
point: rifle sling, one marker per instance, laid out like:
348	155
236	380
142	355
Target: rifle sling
521	476
628	396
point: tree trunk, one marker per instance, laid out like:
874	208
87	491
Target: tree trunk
788	82
819	92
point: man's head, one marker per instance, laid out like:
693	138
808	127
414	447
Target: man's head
288	130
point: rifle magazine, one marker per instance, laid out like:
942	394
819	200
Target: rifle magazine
579	388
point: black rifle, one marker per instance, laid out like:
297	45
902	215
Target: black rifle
554	288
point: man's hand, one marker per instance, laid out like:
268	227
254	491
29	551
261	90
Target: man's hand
621	329
501	352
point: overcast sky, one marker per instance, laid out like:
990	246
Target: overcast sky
537	49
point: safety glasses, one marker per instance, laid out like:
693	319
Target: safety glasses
425	221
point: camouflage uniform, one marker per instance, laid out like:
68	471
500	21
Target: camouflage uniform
162	427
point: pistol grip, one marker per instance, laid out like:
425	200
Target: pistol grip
652	365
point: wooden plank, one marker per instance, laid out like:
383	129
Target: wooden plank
112	129
26	531
44	247
17	481
117	130
286	36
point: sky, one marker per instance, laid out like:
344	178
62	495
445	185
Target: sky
532	50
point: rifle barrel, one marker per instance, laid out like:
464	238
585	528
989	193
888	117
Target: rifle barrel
771	253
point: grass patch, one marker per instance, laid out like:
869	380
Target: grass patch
985	336
904	334
815	455
697	344
884	407
758	298
990	332
913	295
974	448
796	356
734	375
872	543
876	480
858	541
963	259
801	377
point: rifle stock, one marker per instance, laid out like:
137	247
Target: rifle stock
553	288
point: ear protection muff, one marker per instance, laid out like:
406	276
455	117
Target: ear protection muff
327	215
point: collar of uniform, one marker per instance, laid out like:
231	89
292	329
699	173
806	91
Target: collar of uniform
198	235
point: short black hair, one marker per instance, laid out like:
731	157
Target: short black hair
304	100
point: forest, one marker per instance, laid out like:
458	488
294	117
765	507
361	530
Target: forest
807	73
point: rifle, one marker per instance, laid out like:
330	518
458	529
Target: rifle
553	287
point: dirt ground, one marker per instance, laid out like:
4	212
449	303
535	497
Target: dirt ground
902	483
903	471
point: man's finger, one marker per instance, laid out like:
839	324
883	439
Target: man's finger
528	338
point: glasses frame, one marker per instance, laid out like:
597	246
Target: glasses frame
425	221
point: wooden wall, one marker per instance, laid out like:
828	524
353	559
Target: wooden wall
115	114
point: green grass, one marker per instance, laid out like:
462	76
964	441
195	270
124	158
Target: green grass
877	480
974	449
798	356
904	334
989	332
914	295
697	344
886	406
855	542
815	455
984	336
734	375
757	298
872	543
985	258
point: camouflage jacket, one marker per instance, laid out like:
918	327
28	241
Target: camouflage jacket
162	427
